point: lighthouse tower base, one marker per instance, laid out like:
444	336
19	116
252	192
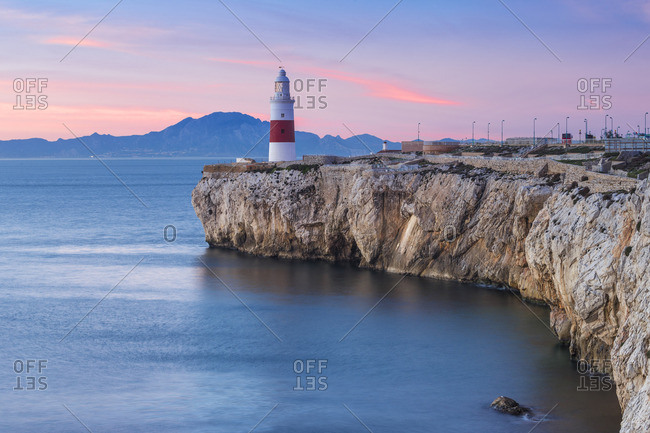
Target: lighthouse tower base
282	152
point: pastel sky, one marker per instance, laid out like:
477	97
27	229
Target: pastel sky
443	64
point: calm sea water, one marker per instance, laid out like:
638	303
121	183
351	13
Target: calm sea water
171	349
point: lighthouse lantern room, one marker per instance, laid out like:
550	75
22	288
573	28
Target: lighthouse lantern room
282	143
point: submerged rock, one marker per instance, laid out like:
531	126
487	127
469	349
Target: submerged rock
509	406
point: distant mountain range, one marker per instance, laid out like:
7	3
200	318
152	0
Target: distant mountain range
218	135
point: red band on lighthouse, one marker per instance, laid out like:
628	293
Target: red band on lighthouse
282	131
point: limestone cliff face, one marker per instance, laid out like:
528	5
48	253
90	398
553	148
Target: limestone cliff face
461	224
584	255
592	256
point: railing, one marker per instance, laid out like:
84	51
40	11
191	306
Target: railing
618	145
541	144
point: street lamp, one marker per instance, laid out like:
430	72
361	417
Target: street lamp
418	131
534	124
473	142
566	129
502	132
559	140
645	125
488	132
586	130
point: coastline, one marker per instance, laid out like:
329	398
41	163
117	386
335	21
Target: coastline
577	247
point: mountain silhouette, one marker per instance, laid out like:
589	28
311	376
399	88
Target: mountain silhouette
218	134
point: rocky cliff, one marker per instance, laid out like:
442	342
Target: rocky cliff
584	254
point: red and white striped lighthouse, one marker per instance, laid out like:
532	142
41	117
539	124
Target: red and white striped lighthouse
282	145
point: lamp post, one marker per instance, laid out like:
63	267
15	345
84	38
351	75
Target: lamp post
473	142
586	130
566	129
534	125
418	131
488	132
645	125
502	132
559	140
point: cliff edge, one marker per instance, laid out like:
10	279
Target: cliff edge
553	239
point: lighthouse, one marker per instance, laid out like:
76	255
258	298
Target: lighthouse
282	143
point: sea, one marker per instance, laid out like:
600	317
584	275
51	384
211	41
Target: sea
115	316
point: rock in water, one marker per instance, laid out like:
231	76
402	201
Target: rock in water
509	406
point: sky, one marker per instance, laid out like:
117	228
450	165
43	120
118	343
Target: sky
384	66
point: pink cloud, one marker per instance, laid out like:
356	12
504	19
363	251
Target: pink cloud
389	91
381	89
150	86
85	120
256	63
63	40
375	88
378	89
